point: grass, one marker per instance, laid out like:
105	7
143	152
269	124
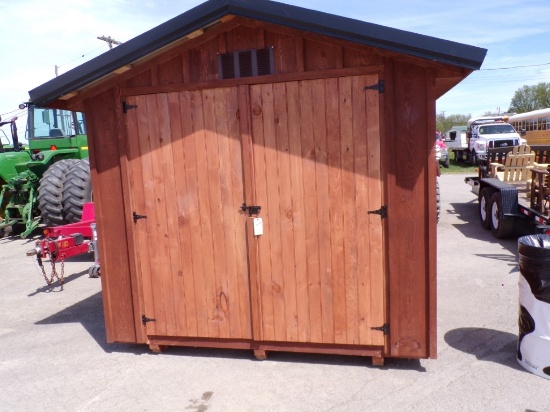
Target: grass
459	167
456	167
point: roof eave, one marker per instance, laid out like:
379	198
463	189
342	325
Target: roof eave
342	28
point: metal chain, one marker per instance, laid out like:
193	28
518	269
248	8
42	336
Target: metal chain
54	275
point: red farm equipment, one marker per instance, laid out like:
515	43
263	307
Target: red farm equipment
62	242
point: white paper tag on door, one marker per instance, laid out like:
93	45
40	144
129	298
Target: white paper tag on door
258	226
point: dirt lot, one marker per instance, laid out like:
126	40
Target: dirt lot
54	356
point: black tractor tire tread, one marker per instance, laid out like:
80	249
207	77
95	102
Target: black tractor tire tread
50	192
77	190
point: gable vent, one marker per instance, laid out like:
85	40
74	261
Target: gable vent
246	63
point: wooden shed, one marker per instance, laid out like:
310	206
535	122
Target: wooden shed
264	179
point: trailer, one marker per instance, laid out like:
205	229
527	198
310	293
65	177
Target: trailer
506	206
62	242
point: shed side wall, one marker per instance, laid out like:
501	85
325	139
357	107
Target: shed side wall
104	131
411	252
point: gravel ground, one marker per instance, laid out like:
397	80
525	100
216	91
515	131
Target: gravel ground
54	355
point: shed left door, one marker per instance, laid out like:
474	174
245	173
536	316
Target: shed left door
185	168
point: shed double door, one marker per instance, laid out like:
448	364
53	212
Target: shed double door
306	152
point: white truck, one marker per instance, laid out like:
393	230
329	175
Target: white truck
489	132
456	142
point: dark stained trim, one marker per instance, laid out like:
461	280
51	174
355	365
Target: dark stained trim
431	48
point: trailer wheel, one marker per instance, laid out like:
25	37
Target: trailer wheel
77	190
501	228
484	211
50	192
457	157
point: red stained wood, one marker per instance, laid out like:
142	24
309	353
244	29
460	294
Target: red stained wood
310	146
117	293
305	182
322	55
409	258
171	72
201	292
245	37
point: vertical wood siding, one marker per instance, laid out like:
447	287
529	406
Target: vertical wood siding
110	210
409	187
317	174
193	261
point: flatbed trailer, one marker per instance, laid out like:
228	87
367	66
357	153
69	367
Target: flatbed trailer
504	205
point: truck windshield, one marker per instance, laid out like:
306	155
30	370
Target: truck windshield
50	123
496	129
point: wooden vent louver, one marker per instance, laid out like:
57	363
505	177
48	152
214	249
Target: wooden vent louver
246	63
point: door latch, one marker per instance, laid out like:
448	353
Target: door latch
252	210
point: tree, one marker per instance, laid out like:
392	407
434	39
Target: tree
529	98
443	123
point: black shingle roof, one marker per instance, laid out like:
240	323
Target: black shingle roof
357	31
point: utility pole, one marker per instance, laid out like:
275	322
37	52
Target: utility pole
109	40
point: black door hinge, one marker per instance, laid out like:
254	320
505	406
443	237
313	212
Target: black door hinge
383	212
136	217
126	107
378	86
384	328
145	319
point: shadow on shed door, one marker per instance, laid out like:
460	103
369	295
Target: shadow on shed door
186	172
320	260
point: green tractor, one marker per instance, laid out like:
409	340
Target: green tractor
11	153
52	185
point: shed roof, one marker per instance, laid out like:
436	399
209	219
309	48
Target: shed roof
431	48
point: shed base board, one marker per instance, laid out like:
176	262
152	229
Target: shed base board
261	349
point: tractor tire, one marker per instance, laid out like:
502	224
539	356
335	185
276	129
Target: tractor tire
50	192
77	190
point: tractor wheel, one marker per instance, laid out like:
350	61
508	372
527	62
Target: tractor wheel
50	192
77	190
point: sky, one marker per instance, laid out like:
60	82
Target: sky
38	36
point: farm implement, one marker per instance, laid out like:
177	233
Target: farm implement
62	242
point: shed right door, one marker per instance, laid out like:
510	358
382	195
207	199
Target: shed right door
319	264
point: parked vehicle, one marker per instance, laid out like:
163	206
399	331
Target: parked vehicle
456	142
489	132
12	152
444	152
51	186
533	126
